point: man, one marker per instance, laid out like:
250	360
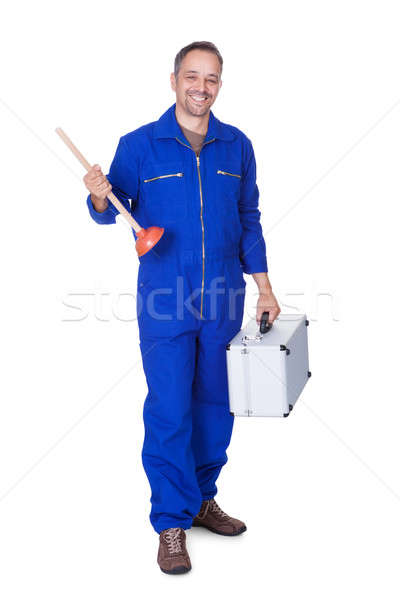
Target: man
195	176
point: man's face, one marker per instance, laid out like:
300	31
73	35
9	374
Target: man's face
198	82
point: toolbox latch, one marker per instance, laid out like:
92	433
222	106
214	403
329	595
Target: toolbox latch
257	337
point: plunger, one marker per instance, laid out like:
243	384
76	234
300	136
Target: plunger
147	238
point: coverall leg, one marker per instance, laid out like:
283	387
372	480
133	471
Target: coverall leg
212	422
186	415
167	458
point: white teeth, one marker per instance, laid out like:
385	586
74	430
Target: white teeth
198	99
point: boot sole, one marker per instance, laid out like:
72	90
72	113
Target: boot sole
176	571
241	530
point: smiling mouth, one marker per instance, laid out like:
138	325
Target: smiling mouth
198	99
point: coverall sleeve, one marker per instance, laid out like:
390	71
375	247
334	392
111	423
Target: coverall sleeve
123	176
253	256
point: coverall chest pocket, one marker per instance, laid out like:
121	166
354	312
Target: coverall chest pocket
229	177
228	186
164	192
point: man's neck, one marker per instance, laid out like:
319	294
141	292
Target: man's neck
197	124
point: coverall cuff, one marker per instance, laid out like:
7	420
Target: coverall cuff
255	266
168	523
103	218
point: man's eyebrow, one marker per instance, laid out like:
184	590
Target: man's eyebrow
213	74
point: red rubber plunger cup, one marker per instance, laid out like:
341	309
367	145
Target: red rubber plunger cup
147	238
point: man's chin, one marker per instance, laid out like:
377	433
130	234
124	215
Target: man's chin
197	111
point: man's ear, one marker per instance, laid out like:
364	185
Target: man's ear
173	81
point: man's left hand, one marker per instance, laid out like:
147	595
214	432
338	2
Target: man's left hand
267	302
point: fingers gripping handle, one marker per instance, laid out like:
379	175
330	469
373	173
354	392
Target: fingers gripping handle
264	325
112	197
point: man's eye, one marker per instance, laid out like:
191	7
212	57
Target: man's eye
191	77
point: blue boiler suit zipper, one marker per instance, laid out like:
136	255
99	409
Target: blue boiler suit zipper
190	297
201	218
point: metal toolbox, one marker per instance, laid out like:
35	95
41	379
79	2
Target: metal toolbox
268	366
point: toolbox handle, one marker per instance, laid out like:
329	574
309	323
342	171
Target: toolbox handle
264	325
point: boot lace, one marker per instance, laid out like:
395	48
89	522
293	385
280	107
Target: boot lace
216	509
213	506
173	538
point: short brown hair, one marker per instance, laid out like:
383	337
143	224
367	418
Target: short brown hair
208	46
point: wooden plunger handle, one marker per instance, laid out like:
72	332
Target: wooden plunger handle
120	207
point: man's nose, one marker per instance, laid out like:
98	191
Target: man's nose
202	86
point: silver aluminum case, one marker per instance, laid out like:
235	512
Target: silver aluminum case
267	372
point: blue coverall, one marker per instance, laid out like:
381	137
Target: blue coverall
208	206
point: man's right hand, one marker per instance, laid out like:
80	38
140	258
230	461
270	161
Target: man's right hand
98	186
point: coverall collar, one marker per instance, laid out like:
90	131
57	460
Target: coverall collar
168	127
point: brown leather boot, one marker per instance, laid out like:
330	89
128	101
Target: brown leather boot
213	518
173	557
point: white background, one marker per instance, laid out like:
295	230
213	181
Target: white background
315	86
